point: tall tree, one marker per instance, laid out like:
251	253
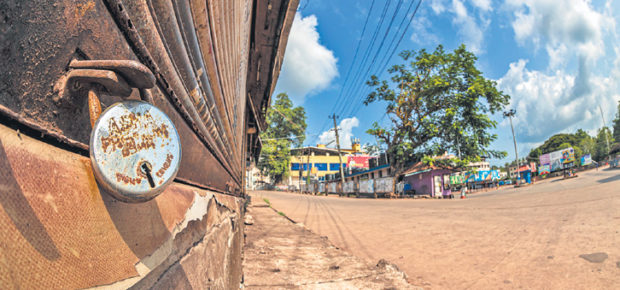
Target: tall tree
286	127
581	142
437	102
601	151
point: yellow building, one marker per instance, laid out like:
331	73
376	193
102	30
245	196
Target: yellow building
320	160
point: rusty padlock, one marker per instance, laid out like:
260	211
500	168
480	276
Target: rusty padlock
135	149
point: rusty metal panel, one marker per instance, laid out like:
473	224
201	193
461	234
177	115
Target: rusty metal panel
38	40
177	35
367	186
60	231
350	187
272	22
205	56
384	185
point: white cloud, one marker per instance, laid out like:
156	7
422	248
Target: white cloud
469	25
345	133
558	99
471	32
421	32
438	6
550	103
308	67
576	24
482	4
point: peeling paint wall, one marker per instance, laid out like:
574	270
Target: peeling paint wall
60	230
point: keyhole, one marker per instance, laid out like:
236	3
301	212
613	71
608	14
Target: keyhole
145	168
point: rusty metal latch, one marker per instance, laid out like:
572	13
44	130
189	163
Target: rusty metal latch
135	149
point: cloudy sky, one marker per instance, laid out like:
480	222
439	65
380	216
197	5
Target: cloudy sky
559	60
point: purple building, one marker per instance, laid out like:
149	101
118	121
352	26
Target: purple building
426	179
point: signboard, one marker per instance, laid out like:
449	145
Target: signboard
568	155
586	160
544	169
456	179
480	176
354	161
558	160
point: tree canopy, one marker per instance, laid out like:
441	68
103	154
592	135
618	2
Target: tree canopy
604	140
560	141
286	127
616	125
580	141
436	102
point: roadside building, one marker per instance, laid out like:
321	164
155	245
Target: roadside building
372	173
320	161
481	165
425	179
524	171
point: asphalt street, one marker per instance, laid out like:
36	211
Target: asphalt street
559	234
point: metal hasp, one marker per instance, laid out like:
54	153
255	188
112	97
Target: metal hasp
135	151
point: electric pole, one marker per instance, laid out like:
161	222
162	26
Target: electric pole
510	114
307	170
339	155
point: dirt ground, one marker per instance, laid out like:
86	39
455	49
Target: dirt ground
280	254
556	234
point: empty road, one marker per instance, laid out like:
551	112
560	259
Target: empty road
540	236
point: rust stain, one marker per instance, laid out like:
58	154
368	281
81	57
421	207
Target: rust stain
93	190
82	8
126	135
166	165
128	180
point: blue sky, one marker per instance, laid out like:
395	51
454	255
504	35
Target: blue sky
559	60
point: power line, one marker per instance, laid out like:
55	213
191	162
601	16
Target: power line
291	137
376	55
359	42
364	60
393	50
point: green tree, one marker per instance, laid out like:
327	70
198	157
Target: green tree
601	150
437	102
581	142
616	134
286	127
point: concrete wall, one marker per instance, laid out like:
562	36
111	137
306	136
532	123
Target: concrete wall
59	230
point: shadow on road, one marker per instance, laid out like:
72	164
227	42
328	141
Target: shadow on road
609	179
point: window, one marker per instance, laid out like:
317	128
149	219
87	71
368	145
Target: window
334	167
321	166
372	175
294	166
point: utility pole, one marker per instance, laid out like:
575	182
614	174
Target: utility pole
605	132
307	170
510	114
301	169
339	154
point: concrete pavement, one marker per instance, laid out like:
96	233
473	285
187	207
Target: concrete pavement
280	254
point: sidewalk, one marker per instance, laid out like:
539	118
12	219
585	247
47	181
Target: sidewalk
281	254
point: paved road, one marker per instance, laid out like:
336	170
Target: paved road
528	237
